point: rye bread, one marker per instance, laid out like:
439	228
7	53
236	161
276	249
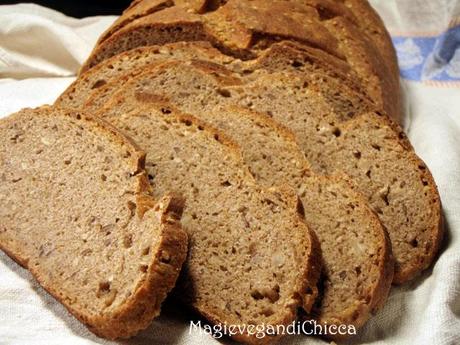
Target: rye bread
244	28
364	145
252	258
356	278
134	60
280	56
76	207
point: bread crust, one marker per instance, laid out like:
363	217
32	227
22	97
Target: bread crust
253	33
166	259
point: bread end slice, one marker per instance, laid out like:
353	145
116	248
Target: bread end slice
77	213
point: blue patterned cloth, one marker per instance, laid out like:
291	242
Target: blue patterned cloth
430	58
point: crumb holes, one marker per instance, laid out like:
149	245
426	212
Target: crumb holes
223	268
201	128
98	84
224	93
376	147
358	270
309	291
337	132
256	295
343	275
425	183
271	294
357	154
128	241
368	173
297	64
324	13
414	243
226	184
270	113
143	268
305	84
103	289
188	123
216	136
151	177
146	251
267	312
67	162
103	178
78	117
233	250
166	111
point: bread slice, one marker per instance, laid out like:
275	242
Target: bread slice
241	28
356	279
335	137
142	8
134	60
252	258
77	213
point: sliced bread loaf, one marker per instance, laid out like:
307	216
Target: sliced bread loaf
358	265
335	137
368	148
77	213
134	60
245	28
252	258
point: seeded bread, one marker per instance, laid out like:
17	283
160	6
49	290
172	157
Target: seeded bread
335	137
252	258
245	28
76	208
356	278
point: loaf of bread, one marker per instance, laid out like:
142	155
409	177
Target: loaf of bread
356	278
336	133
276	123
245	28
78	214
252	258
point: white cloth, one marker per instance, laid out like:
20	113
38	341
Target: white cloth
40	51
